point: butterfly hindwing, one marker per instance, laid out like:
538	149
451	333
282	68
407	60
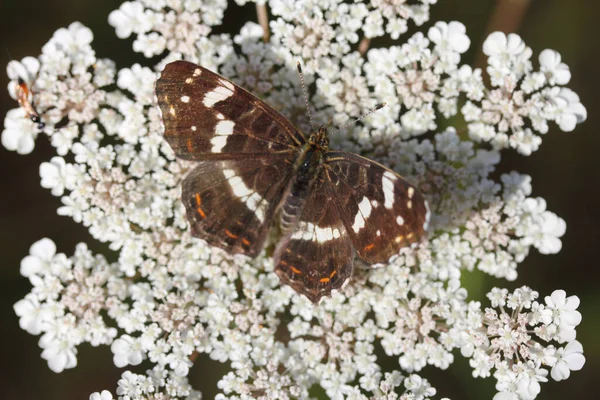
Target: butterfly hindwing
316	255
382	211
231	203
208	117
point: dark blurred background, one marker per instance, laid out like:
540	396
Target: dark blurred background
565	172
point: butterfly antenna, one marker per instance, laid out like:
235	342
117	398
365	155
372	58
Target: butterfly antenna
305	92
377	107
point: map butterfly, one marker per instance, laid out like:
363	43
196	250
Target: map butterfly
256	169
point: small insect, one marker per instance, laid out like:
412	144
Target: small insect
23	94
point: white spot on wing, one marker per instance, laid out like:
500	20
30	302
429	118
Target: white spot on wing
216	95
310	231
218	143
411	192
224	127
387	185
399	220
185	99
197	71
189	80
227	84
253	200
365	207
364	211
194	128
359	222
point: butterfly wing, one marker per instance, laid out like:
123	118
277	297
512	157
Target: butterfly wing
246	149
208	117
316	256
381	211
231	203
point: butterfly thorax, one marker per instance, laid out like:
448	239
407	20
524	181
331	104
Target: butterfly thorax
306	169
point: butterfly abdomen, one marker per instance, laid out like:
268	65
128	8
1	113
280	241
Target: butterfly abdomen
307	168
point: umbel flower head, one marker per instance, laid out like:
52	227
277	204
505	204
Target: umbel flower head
170	296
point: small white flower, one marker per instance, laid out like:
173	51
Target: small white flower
139	81
570	358
449	37
127	351
19	132
525	142
557	73
104	395
27	70
60	353
40	257
564	308
53	175
570	111
150	45
498	45
32	315
129	18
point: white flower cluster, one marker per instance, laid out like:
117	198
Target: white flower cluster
512	340
170	297
176	26
519	94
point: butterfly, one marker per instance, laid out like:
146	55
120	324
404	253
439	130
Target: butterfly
256	170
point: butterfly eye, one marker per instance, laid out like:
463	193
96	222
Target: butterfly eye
323	142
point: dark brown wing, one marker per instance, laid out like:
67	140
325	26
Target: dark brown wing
230	203
316	256
208	117
382	211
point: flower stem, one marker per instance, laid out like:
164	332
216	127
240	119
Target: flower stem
263	20
363	46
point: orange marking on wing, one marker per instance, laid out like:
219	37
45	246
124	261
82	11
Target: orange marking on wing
324	280
246	241
295	270
332	274
399	238
199	209
231	235
410	236
369	246
189	146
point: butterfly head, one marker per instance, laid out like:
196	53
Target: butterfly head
319	138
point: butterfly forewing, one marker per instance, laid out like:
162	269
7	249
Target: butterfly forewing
208	117
231	203
382	211
316	256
